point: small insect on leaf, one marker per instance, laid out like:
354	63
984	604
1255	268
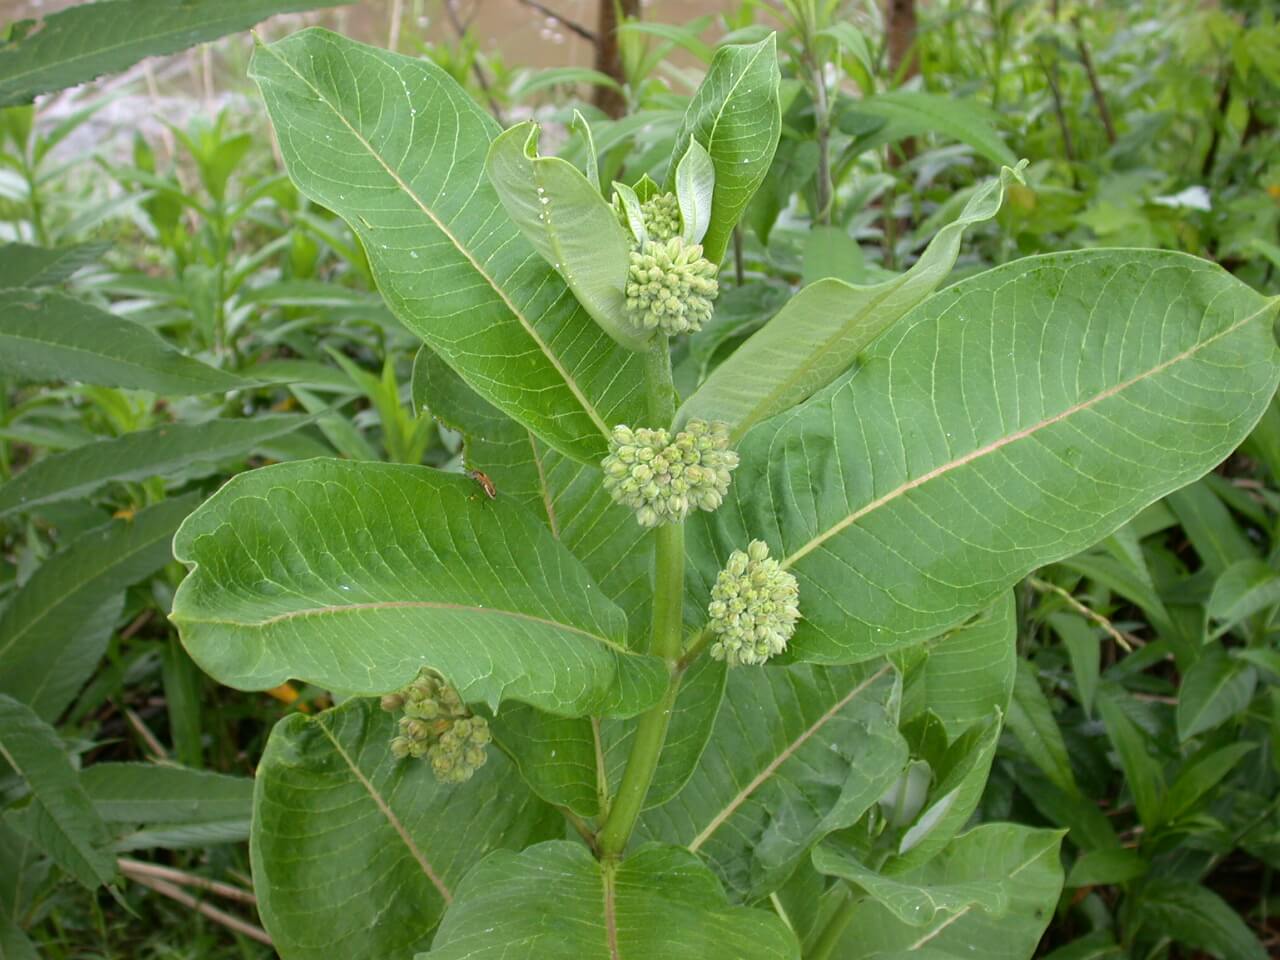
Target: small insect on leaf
485	483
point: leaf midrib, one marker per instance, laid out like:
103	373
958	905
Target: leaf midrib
933	934
542	345
785	754
401	605
1016	436
385	809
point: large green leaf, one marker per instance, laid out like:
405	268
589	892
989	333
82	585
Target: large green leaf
139	455
796	753
50	336
61	820
166	806
1009	421
563	216
991	893
91	39
355	575
55	629
397	148
735	114
22	265
820	331
554	901
356	854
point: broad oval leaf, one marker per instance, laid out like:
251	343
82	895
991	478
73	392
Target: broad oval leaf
819	333
356	854
1010	874
571	226
735	114
139	455
397	148
796	753
46	335
56	627
353	576
88	40
1009	421
554	901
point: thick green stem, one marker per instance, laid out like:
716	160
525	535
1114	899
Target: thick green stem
824	947
668	600
665	638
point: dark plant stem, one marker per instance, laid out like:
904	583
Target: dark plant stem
477	69
1099	98
1215	139
608	55
573	26
1068	144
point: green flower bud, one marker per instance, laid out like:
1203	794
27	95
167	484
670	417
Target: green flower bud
754	607
438	726
662	219
392	702
670	286
661	479
460	751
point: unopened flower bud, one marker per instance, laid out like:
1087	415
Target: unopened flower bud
670	286
661	478
662	219
437	725
754	607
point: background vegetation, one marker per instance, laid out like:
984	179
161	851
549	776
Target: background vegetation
1146	715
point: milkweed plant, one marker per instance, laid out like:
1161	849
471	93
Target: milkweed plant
712	674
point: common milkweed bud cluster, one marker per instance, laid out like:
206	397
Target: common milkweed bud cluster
662	478
754	607
661	214
437	725
670	286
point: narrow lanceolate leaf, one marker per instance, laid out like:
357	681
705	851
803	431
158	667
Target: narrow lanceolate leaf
397	148
991	893
356	854
907	113
795	754
89	40
555	901
50	336
354	576
736	116
564	217
61	820
22	265
1009	421
137	456
55	629
160	806
967	674
821	331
